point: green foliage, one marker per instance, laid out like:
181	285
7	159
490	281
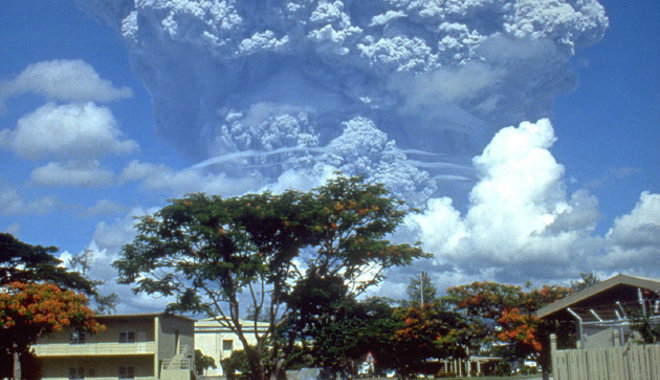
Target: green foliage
587	280
528	370
338	336
648	330
427	331
421	287
24	262
505	313
503	369
236	366
202	362
205	250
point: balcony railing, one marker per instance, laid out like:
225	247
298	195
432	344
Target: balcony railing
90	349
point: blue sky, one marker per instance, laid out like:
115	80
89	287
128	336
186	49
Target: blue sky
610	122
604	118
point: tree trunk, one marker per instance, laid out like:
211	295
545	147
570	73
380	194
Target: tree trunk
17	365
257	371
276	368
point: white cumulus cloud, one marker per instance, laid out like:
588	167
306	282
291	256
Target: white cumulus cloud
12	203
634	239
519	217
72	173
67	131
63	80
106	207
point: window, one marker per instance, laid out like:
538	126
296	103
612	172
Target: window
227	345
76	373
77	337
126	372
127	337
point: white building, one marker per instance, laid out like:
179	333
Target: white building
215	339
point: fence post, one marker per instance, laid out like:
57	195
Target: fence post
553	356
616	338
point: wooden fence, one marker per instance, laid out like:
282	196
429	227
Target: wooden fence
629	362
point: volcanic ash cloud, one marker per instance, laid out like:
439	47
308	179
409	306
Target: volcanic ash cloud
418	87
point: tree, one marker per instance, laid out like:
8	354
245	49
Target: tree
645	320
22	262
421	290
332	327
236	362
505	313
29	311
205	250
587	280
427	331
482	304
202	362
527	334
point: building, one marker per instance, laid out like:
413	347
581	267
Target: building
137	346
603	313
214	338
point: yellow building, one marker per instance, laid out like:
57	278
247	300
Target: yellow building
215	339
137	346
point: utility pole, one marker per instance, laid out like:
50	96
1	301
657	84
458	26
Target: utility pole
421	288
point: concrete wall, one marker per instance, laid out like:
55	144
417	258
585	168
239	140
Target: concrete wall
209	338
171	329
211	344
143	329
106	367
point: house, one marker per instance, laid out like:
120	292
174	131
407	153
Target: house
133	346
214	338
603	313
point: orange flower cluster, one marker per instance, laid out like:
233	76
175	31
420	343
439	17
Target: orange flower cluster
40	308
519	328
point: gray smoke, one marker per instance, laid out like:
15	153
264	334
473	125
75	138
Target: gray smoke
404	91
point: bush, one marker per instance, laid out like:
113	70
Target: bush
528	370
503	369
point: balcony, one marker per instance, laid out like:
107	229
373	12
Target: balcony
92	349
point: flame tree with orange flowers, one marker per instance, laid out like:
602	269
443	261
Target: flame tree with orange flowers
212	253
29	311
505	313
25	268
25	262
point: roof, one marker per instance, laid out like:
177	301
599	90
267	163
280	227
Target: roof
216	324
142	315
603	286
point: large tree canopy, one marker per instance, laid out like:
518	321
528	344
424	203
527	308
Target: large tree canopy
505	313
212	253
22	262
424	332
